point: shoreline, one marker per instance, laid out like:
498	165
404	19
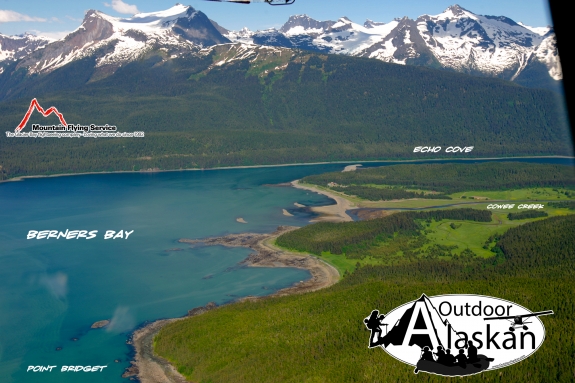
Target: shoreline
150	368
329	213
22	178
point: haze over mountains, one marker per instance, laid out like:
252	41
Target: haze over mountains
457	39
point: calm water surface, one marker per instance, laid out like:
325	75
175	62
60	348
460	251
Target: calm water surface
51	291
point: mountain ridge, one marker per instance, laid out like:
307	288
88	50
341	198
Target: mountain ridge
456	39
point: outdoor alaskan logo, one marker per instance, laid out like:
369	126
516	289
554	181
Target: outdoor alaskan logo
64	129
458	334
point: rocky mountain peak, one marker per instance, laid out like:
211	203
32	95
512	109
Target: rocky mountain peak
456	39
197	28
371	24
94	28
456	10
304	22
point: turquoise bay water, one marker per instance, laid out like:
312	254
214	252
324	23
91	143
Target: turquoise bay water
51	291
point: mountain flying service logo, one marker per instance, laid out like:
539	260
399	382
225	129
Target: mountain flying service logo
64	129
35	105
457	334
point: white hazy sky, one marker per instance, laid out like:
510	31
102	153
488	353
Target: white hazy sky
57	17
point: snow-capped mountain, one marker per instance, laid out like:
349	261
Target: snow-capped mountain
456	39
114	41
16	47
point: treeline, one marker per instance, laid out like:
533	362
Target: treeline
326	109
385	194
340	238
563	205
552	240
543	247
452	178
526	215
321	336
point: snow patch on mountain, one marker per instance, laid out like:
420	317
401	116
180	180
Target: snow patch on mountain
15	47
456	39
541	31
547	53
116	40
244	35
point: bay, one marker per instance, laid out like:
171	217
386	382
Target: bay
51	291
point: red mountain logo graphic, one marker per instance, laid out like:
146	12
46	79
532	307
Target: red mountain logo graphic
34	104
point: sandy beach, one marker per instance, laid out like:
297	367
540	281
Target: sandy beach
331	213
351	168
150	368
146	366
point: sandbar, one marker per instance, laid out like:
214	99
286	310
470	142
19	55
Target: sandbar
330	213
100	323
351	168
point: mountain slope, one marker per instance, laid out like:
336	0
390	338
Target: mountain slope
239	105
16	47
456	39
116	41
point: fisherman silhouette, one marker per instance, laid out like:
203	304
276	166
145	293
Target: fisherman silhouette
373	323
471	353
461	358
440	355
427	354
449	359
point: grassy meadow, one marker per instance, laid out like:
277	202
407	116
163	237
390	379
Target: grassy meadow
388	261
320	336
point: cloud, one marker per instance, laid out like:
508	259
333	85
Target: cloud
122	321
11	16
121	7
57	284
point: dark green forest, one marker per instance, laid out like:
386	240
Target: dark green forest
526	215
319	108
356	238
563	204
452	178
320	336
